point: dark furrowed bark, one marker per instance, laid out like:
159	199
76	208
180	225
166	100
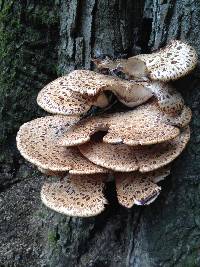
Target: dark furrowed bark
166	233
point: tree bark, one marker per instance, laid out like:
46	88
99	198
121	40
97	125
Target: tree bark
166	233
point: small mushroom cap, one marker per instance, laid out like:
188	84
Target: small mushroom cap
57	98
136	188
141	126
77	195
37	142
124	158
170	63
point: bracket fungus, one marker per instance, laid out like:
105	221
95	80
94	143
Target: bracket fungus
137	145
76	195
172	62
37	142
143	125
139	188
78	91
124	158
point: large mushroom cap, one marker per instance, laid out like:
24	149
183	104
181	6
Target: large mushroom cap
170	63
76	92
57	98
141	126
75	196
124	158
37	142
136	188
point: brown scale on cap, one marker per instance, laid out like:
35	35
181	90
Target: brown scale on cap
56	98
169	99
170	63
180	120
141	126
81	89
37	142
126	158
76	196
137	188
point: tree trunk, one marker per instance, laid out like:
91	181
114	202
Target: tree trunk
166	233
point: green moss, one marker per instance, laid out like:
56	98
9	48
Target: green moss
28	39
53	238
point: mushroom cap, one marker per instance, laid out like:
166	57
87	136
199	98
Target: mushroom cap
136	188
180	120
76	92
124	158
75	196
56	98
169	99
170	63
37	143
142	126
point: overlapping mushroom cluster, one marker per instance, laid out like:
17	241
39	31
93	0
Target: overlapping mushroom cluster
133	147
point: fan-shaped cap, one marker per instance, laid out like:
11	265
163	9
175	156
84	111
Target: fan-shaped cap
37	142
136	188
56	98
170	63
81	89
75	196
141	126
124	158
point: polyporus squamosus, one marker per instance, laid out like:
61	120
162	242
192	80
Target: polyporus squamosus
137	188
78	91
37	142
144	125
76	196
137	145
172	62
124	158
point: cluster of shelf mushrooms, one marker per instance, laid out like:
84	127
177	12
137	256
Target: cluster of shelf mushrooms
134	147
